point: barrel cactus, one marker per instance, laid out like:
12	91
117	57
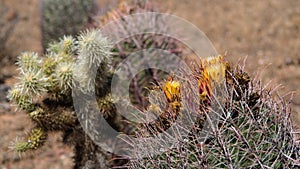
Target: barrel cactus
253	129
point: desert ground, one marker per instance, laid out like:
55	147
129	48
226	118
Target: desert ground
267	33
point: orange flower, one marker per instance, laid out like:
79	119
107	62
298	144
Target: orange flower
204	85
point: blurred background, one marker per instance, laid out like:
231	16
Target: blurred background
267	33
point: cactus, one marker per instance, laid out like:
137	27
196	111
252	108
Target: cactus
254	129
44	90
67	17
45	85
259	132
146	78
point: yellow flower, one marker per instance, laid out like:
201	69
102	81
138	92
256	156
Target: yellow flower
215	68
172	90
213	71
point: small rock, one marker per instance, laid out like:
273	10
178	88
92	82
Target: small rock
289	61
3	92
4	88
5	106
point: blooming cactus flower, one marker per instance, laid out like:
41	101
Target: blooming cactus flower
212	72
172	90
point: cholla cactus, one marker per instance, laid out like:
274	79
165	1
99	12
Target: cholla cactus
24	101
64	75
36	139
32	82
45	85
29	61
94	50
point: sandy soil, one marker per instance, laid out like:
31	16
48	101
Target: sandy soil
267	32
